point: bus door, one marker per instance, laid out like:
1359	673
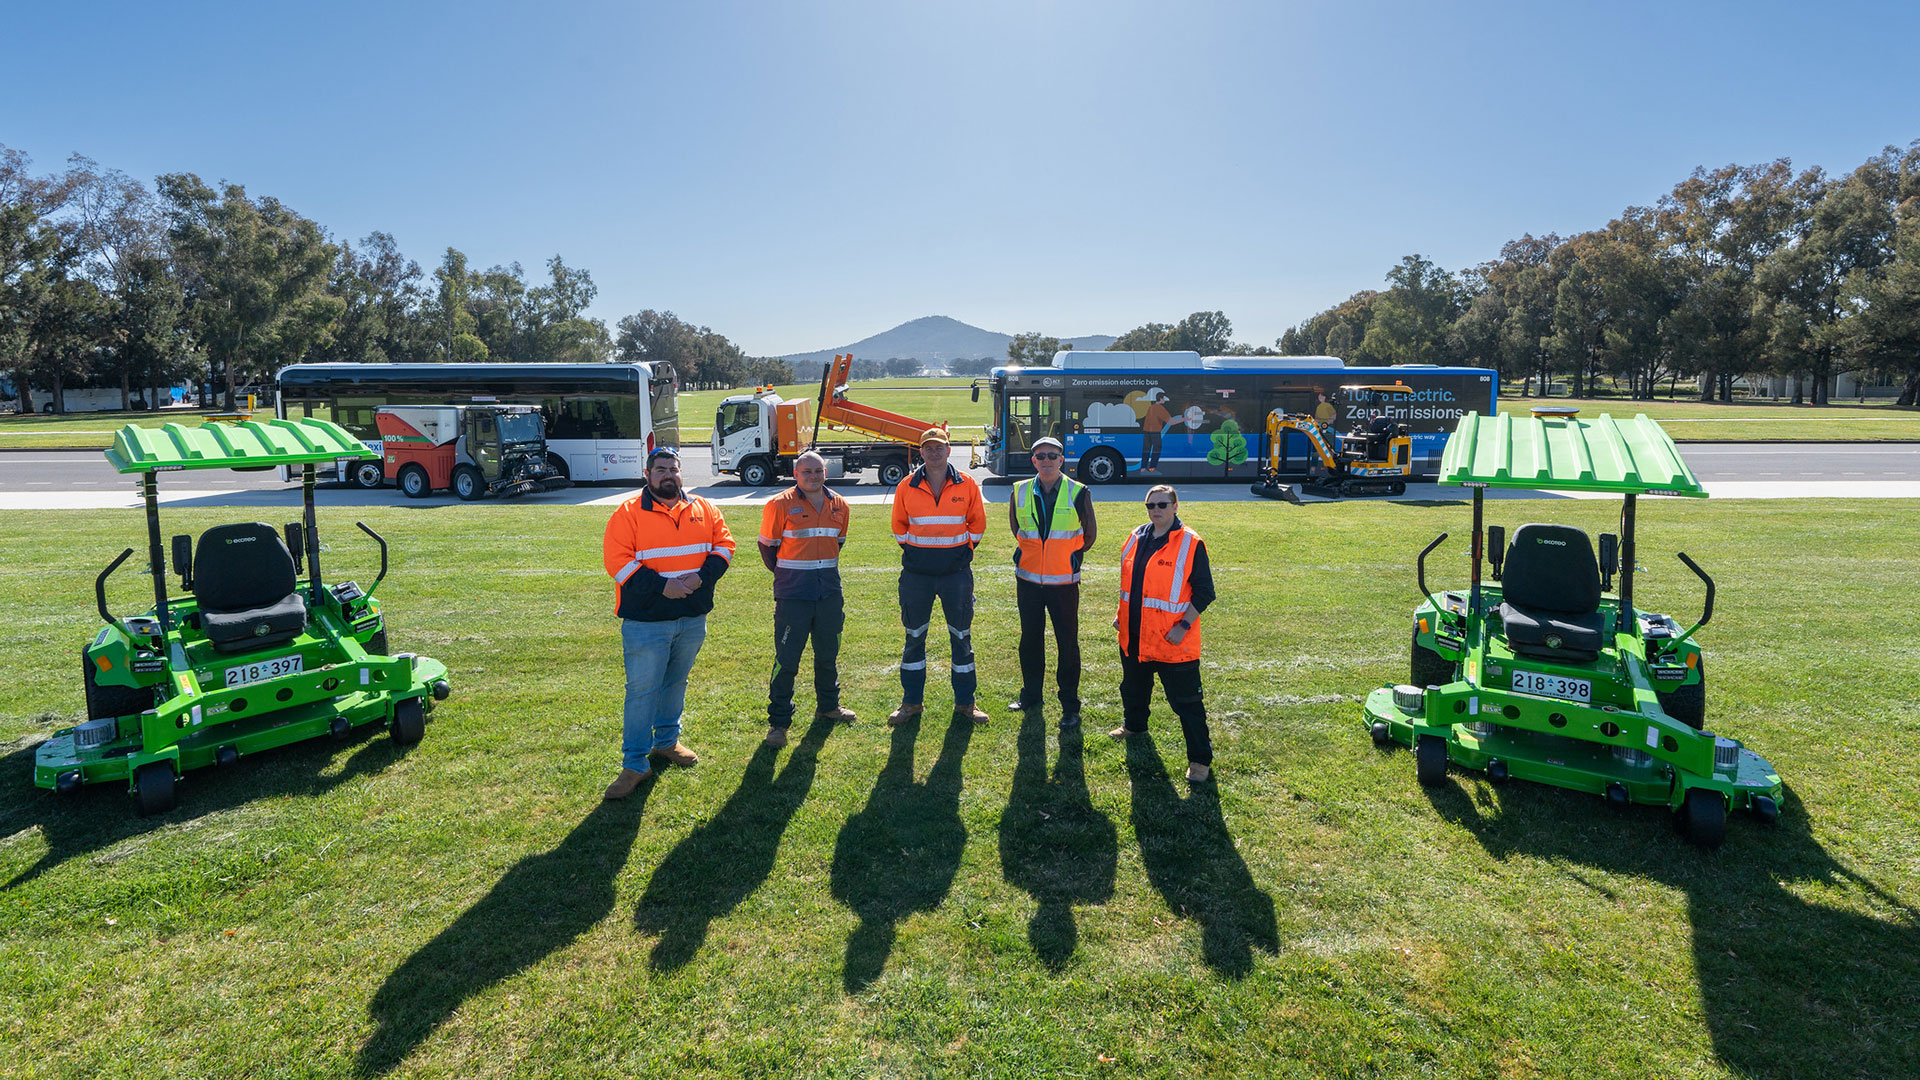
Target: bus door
1031	417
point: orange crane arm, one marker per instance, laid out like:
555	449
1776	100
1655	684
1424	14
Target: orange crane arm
839	413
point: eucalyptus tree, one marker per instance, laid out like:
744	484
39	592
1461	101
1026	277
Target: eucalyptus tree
255	274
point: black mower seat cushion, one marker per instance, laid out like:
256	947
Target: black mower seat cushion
1532	633
1551	588
244	579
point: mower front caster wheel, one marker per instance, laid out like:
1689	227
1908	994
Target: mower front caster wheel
153	787
1703	817
1382	734
1766	809
1430	760
409	722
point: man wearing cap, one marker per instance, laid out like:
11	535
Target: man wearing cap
665	551
1052	520
938	519
801	532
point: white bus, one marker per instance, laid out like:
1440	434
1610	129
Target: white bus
602	419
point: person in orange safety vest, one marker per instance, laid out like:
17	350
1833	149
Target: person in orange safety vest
801	532
939	517
1165	583
665	551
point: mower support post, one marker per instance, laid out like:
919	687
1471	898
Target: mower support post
1626	566
1479	506
156	553
313	531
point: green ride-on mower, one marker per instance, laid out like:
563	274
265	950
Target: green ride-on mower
252	658
1545	673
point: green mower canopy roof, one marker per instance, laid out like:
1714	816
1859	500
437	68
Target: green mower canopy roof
253	444
1567	453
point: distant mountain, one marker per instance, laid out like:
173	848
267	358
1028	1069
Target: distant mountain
933	341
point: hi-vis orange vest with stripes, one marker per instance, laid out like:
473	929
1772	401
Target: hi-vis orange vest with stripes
668	540
1164	594
1048	561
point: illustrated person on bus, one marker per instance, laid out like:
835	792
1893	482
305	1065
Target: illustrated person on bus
1151	426
1324	414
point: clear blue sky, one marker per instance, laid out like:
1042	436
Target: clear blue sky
801	175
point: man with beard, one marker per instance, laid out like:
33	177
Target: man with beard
665	551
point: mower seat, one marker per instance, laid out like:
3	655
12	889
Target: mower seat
243	576
1551	583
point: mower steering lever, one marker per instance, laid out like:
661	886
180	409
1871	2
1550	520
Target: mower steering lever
1420	569
378	539
100	587
1705	615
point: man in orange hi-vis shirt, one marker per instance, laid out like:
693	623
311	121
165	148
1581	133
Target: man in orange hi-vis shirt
665	551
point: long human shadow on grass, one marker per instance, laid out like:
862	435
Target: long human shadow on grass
99	816
1191	859
898	855
1789	988
538	907
723	861
1053	843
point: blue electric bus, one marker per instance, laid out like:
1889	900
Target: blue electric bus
1148	415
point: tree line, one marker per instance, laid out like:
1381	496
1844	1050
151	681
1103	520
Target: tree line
107	282
1741	271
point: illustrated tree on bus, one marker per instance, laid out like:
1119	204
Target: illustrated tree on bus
1229	447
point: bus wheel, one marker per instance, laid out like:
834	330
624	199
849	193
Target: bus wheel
1103	467
368	474
413	482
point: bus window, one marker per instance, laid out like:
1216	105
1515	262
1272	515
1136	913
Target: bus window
356	415
1031	417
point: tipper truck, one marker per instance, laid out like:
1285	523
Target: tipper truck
757	436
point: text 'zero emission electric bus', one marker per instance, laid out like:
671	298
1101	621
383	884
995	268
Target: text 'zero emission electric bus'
1150	415
601	419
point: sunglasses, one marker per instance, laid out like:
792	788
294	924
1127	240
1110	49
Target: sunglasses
1046	457
1162	505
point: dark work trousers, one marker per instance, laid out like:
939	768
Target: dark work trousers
1182	684
794	621
917	593
1038	603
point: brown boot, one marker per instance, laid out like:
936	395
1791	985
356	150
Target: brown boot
838	714
776	737
904	714
624	784
677	755
1198	773
970	712
1123	732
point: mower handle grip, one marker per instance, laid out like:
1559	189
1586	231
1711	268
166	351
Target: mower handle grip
1420	569
1707	614
100	587
378	539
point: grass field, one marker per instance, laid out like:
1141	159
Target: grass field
1748	421
950	901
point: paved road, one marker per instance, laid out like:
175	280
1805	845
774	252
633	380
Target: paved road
52	479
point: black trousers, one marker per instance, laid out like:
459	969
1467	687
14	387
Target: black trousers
795	621
917	593
1182	684
1037	603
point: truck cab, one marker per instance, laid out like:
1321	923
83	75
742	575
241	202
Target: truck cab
477	450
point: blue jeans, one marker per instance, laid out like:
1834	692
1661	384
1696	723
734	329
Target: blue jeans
659	655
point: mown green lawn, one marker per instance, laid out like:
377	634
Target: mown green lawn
1746	421
946	398
952	901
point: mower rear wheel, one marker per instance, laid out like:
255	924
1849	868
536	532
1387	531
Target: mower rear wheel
105	701
1703	818
409	722
153	787
1430	760
1429	668
413	481
468	484
1688	704
377	644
